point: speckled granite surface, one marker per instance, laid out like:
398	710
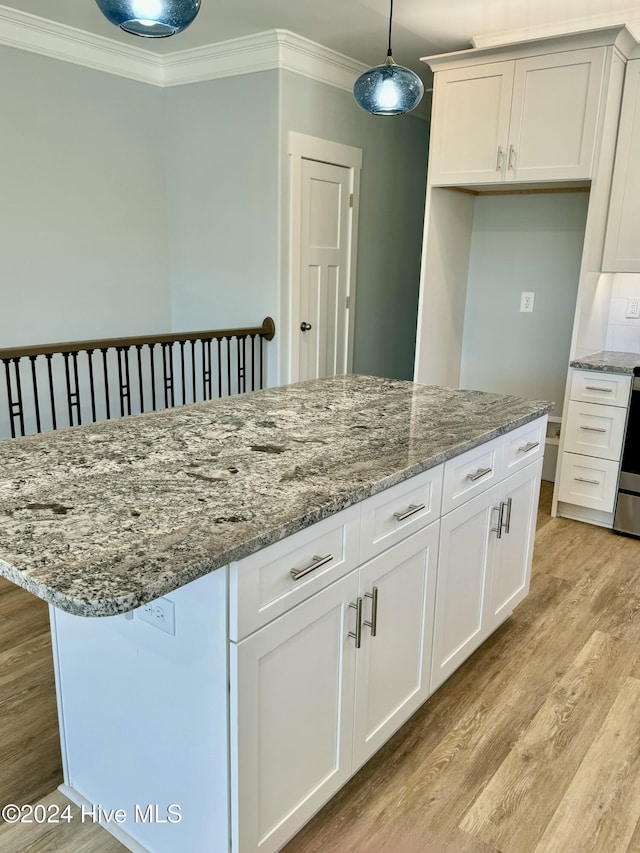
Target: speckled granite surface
614	362
100	519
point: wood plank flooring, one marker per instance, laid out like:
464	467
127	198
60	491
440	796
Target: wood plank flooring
533	746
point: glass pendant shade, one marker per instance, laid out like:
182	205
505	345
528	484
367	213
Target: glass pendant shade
150	18
388	90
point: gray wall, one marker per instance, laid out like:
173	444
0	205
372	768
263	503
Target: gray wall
391	215
522	243
83	229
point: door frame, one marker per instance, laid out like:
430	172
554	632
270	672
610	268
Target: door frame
303	147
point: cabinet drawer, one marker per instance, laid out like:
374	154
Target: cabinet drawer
595	430
612	389
471	473
394	514
262	585
524	445
589	482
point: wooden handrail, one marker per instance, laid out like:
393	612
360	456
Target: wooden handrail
267	330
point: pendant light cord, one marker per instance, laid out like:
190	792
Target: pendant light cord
390	19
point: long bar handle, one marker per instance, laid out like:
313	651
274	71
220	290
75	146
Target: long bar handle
481	472
498	529
597	388
357	636
297	574
512	157
594	429
507	521
412	510
528	446
373	595
500	159
585	480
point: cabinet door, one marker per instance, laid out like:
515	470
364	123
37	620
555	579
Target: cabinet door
622	244
470	124
467	544
511	570
292	690
553	116
392	669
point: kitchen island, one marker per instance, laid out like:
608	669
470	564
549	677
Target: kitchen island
314	561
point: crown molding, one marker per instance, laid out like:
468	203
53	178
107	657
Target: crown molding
629	17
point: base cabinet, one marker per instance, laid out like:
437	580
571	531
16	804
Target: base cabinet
484	565
317	691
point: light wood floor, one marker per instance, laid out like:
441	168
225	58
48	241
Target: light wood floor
533	746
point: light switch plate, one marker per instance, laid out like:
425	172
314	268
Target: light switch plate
526	302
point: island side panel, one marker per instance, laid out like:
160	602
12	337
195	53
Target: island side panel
144	718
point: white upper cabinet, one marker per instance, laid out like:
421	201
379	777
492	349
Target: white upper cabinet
529	119
622	243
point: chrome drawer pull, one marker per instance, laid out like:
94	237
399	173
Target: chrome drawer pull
585	480
357	636
479	473
373	595
296	574
595	388
498	529
413	509
507	522
594	429
529	446
500	159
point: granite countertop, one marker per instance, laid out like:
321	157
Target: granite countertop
611	360
100	519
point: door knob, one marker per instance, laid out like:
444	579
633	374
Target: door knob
305	327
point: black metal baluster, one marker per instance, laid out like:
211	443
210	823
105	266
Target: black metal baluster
19	405
219	367
7	363
209	396
127	350
167	370
92	386
261	362
105	368
184	398
193	369
67	374
253	362
76	392
120	381
228	340
34	383
52	397
152	362
140	384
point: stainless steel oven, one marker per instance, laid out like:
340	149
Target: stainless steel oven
627	516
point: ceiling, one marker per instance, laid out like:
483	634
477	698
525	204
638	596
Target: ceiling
358	28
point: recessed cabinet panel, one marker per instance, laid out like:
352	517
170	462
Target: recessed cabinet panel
588	481
553	116
612	389
595	430
470	123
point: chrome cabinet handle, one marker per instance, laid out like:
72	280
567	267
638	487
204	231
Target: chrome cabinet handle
595	388
413	509
296	574
594	429
507	521
498	529
305	327
373	595
512	157
528	446
479	473
357	635
585	480
500	159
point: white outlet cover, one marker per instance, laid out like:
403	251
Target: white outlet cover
159	613
633	308
527	299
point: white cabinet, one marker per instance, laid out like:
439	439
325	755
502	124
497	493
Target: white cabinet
292	717
530	119
484	566
622	243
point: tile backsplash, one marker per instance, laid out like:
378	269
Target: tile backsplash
623	334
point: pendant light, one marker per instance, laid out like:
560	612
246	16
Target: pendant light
388	89
150	18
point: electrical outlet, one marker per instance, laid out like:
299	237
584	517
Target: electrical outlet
159	613
526	302
633	308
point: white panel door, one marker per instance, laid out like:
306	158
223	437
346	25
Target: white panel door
292	693
393	667
467	544
325	226
553	116
511	572
471	123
